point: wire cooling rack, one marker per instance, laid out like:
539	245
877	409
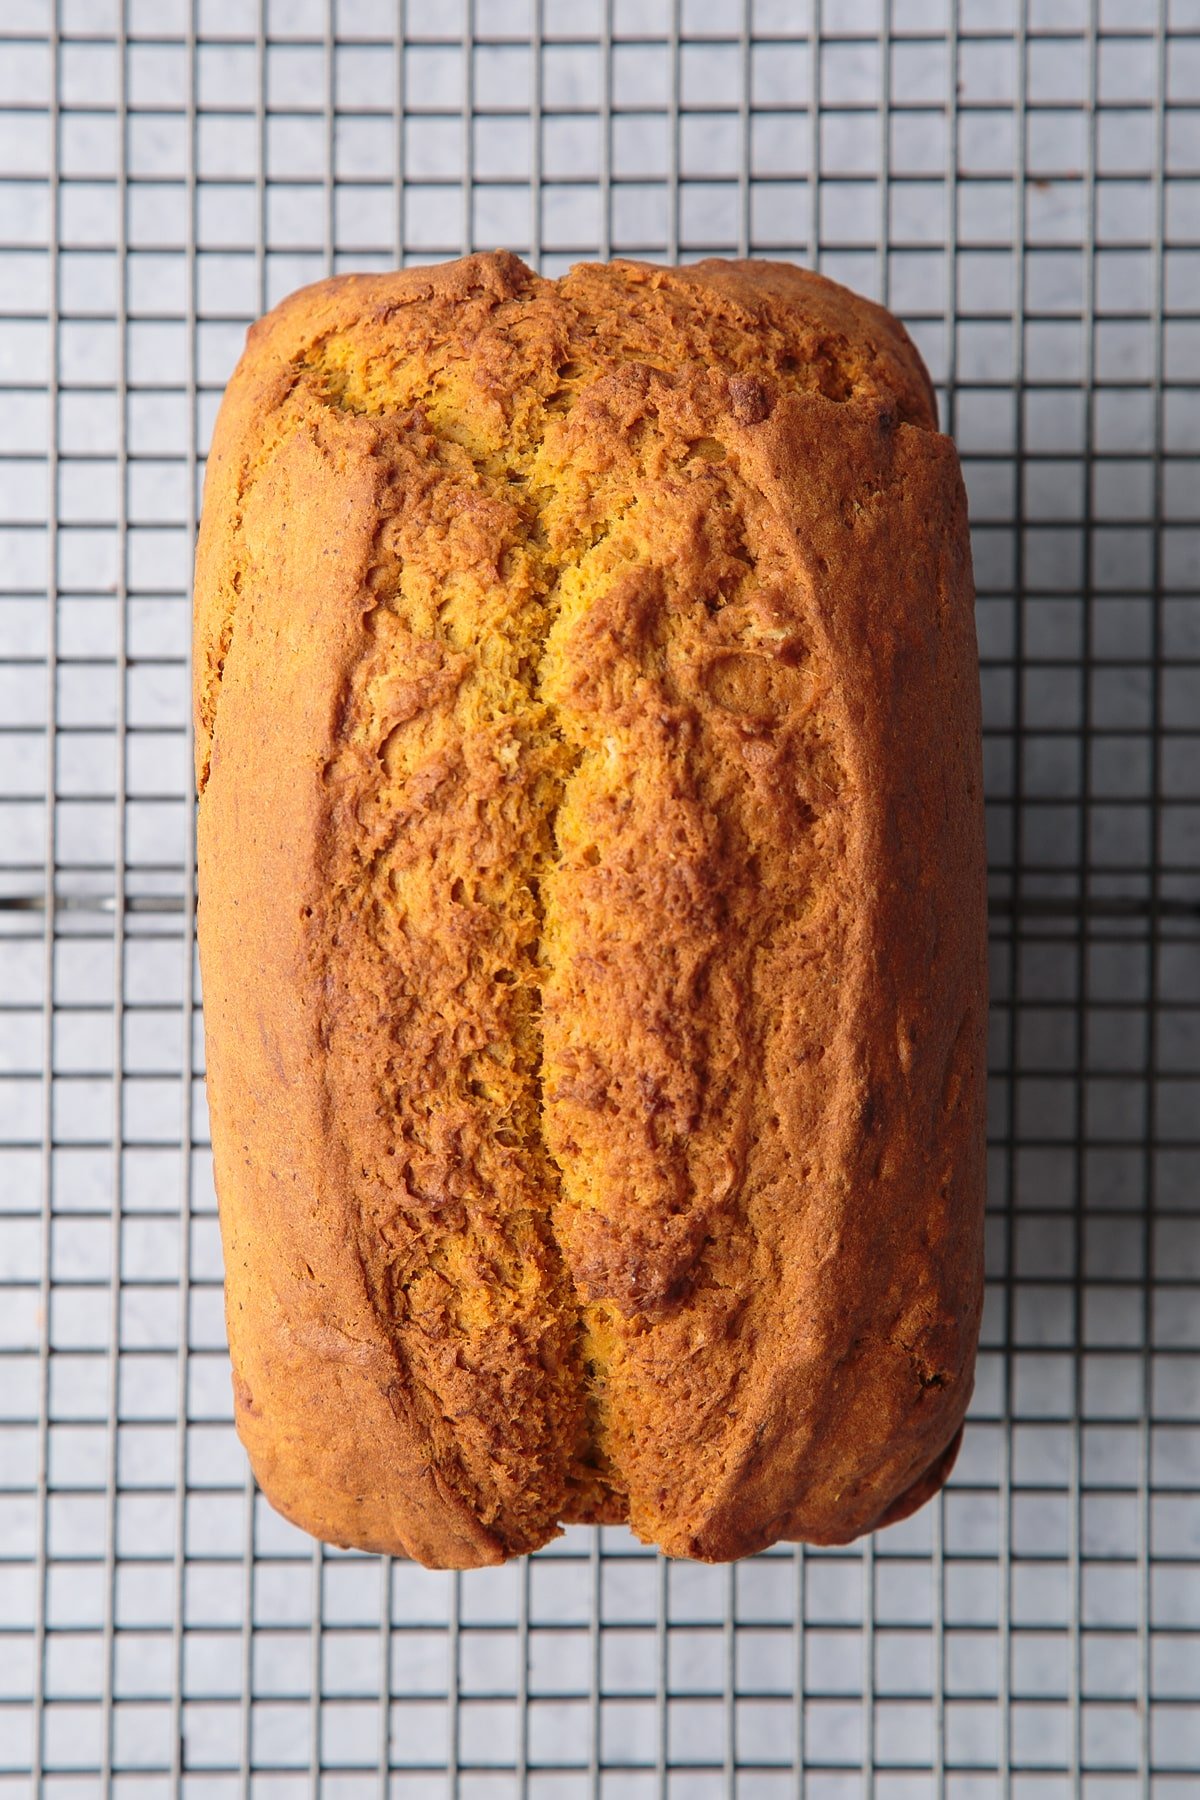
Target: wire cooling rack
1021	180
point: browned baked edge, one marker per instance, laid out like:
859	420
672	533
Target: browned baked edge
725	1275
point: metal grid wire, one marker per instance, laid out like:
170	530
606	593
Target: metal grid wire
1020	179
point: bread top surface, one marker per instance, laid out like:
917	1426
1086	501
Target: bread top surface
592	907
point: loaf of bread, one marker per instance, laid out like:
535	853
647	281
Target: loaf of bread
592	909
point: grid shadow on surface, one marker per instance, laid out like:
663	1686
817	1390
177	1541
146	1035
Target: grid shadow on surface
1021	181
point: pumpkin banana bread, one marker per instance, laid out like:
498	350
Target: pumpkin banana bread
592	908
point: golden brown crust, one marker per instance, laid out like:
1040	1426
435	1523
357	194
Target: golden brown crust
592	908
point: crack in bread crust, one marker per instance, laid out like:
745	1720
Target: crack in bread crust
534	600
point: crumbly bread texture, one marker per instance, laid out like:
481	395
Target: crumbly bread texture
592	908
